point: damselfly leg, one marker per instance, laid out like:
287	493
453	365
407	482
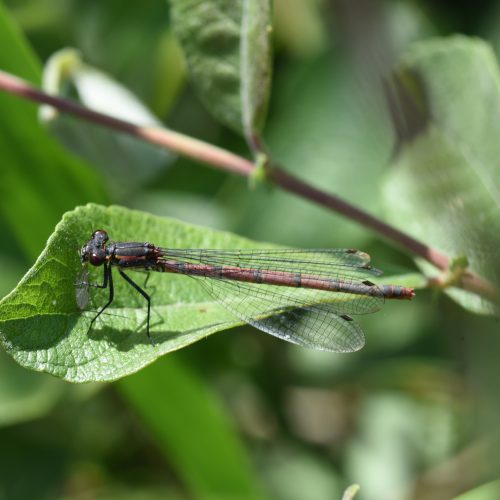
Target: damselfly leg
131	282
108	283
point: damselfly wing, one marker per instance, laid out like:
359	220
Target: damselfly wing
314	318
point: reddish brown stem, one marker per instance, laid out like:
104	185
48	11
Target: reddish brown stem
294	185
225	160
182	144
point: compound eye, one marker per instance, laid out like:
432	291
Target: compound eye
97	258
100	236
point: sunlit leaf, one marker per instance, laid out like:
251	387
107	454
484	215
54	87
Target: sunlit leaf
43	328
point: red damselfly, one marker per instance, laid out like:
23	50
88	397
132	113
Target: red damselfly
303	296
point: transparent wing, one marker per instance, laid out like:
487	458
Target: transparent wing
327	263
302	316
313	318
82	295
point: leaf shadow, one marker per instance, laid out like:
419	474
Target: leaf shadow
166	340
39	332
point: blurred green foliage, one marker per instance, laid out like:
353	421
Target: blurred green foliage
243	415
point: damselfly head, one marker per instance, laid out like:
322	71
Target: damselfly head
94	252
93	255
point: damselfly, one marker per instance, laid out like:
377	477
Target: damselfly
303	296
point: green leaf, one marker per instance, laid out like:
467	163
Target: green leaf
444	188
228	51
255	65
43	329
127	161
205	451
40	180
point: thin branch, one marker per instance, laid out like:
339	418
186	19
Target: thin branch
227	161
182	144
294	185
